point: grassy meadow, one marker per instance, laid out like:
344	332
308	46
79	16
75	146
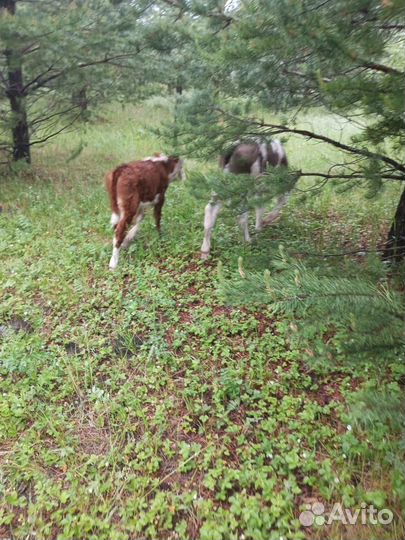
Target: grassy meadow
135	404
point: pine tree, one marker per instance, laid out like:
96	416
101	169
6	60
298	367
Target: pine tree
367	310
60	57
333	319
345	57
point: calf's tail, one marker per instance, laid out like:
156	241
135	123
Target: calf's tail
111	181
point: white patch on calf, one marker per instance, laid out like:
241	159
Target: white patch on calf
147	204
114	219
210	217
162	157
263	151
115	256
259	219
243	220
256	168
278	149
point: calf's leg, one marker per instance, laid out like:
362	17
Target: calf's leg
256	170
117	241
114	219
259	219
281	201
158	211
133	231
127	216
211	213
243	220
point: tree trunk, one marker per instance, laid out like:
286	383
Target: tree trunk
395	245
9	5
16	97
79	98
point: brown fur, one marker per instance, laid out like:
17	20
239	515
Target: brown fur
240	157
243	157
134	183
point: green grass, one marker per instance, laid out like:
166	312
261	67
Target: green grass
134	404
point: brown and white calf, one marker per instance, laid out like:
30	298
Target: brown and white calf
134	186
251	157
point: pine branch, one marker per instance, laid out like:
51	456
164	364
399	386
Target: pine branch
351	176
42	119
280	128
37	79
55	133
351	149
392	27
384	69
39	83
341	254
370	316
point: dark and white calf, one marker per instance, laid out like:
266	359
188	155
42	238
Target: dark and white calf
246	158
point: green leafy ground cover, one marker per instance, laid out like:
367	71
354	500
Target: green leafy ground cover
136	404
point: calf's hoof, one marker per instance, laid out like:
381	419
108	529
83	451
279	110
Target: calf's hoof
204	255
271	220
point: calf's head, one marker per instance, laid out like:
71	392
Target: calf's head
175	168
